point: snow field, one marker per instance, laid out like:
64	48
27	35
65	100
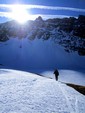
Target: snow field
22	92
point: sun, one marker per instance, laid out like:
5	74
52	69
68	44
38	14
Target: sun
19	13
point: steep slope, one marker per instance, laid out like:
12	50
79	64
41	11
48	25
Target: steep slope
23	92
67	32
37	55
41	44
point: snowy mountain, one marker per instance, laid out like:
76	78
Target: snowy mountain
43	44
68	32
22	92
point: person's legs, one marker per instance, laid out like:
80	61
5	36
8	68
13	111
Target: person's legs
56	77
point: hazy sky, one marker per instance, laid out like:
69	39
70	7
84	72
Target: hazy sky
45	8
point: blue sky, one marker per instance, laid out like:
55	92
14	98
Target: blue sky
46	8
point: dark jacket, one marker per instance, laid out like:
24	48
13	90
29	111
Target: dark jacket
56	72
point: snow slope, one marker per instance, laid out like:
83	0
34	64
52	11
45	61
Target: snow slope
22	92
37	54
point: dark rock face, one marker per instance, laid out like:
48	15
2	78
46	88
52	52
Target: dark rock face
79	28
76	26
67	32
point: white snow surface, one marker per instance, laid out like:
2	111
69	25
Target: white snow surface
23	92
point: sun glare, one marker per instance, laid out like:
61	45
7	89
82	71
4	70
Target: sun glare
20	14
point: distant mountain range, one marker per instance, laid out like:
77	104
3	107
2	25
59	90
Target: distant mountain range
67	32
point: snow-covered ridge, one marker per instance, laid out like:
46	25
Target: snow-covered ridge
22	92
67	32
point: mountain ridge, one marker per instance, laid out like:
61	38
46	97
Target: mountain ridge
67	32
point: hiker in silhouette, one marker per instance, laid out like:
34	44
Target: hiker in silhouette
56	74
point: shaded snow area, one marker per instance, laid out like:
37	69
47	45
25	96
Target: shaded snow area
22	92
24	54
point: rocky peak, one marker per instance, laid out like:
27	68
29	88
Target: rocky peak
39	19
